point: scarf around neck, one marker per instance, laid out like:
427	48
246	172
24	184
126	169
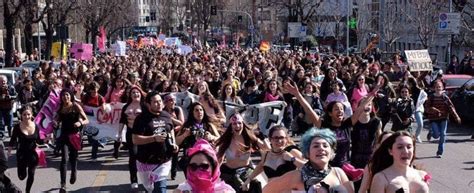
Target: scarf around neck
312	176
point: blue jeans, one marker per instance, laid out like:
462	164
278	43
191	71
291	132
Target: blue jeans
160	186
95	146
6	118
439	130
419	123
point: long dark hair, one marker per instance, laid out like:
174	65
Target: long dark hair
191	120
250	140
382	159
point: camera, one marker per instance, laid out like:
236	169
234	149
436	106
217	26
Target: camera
198	131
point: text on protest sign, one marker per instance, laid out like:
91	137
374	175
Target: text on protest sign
419	60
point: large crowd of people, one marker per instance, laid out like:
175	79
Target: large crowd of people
339	105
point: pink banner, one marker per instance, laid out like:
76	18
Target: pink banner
44	119
81	51
101	39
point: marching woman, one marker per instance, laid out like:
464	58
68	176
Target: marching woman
133	107
363	136
367	179
71	118
419	97
318	146
178	119
391	166
24	137
236	145
203	172
197	126
438	108
403	110
334	120
284	156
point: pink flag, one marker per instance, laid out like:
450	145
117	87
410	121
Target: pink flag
223	42
101	39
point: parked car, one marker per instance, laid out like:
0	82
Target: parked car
33	65
463	100
19	70
454	81
11	80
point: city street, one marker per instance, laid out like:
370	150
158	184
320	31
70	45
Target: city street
454	173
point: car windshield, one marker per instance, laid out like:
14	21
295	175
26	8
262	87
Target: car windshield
9	78
456	82
469	85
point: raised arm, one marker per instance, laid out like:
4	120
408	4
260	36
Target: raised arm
315	119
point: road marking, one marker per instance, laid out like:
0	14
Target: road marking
100	177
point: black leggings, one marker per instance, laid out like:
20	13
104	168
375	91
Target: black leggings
67	149
26	167
132	159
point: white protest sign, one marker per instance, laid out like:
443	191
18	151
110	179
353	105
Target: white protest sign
419	60
184	50
103	125
120	48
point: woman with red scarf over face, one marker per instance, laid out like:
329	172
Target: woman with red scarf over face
203	171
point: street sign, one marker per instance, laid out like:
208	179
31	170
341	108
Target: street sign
294	29
449	23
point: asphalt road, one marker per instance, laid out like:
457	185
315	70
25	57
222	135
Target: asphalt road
454	173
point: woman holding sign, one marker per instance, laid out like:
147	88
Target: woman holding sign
70	119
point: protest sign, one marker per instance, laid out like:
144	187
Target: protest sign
120	48
419	60
81	51
55	50
44	118
184	50
103	123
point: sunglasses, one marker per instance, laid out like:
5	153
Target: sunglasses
195	166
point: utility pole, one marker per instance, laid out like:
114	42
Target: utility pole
347	27
450	36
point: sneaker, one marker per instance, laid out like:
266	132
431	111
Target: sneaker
134	185
418	139
439	156
428	136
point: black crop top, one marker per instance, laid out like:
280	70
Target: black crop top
287	166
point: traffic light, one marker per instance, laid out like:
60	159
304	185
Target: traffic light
153	16
213	10
239	18
352	23
147	19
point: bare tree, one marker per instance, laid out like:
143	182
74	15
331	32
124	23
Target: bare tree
166	9
391	24
29	17
58	14
305	9
125	18
365	25
422	15
100	13
11	11
466	8
201	15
